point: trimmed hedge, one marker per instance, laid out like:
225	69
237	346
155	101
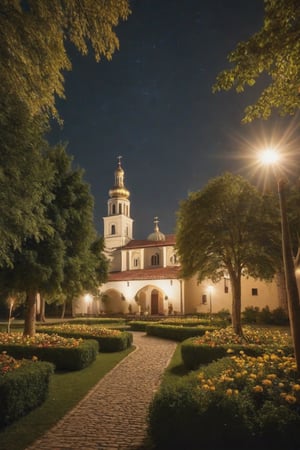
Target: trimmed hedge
106	344
23	389
139	325
176	333
193	355
74	358
97	321
183	416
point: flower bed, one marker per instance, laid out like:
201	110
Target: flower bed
221	342
23	386
109	340
64	353
238	401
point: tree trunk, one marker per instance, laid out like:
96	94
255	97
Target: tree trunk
290	276
41	315
30	313
236	304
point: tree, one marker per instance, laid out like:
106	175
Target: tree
85	266
69	260
273	51
33	44
229	228
25	177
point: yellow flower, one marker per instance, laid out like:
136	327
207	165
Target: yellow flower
257	388
296	387
266	382
253	375
229	392
35	358
290	398
271	376
230	350
206	387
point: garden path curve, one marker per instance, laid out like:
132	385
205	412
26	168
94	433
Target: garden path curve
113	415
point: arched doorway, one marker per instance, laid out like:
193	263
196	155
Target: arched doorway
154	302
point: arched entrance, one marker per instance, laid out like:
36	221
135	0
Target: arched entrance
154	302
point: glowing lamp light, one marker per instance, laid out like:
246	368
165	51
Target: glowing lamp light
87	298
269	157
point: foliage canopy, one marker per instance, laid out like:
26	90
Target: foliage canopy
274	51
33	39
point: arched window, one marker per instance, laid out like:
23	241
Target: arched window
120	208
113	209
155	260
113	229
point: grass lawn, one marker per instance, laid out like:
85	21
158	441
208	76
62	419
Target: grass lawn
65	391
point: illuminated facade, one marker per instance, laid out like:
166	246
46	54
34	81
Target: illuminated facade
144	274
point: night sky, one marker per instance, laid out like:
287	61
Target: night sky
153	104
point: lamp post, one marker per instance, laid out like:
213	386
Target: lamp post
88	299
270	157
210	291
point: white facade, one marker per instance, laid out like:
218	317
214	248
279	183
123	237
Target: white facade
144	274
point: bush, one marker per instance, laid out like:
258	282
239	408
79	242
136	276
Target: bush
23	389
234	402
139	325
64	358
176	333
193	354
97	320
250	314
253	314
109	340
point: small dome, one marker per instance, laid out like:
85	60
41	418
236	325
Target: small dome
156	235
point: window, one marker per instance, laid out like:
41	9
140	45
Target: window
155	260
254	291
135	262
114	209
113	229
120	209
204	299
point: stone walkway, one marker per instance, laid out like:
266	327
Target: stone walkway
113	416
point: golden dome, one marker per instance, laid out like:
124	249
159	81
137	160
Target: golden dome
119	189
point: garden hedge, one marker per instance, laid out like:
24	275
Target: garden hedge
176	333
182	416
193	355
23	389
72	358
106	344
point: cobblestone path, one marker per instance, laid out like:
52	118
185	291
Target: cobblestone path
113	416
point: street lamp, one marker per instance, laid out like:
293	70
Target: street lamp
88	299
272	158
210	289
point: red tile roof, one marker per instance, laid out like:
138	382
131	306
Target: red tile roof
140	243
160	273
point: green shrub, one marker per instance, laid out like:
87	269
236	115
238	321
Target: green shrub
176	333
109	340
97	320
250	314
280	317
139	325
193	354
23	389
64	358
222	407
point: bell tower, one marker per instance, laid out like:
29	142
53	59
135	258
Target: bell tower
118	224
